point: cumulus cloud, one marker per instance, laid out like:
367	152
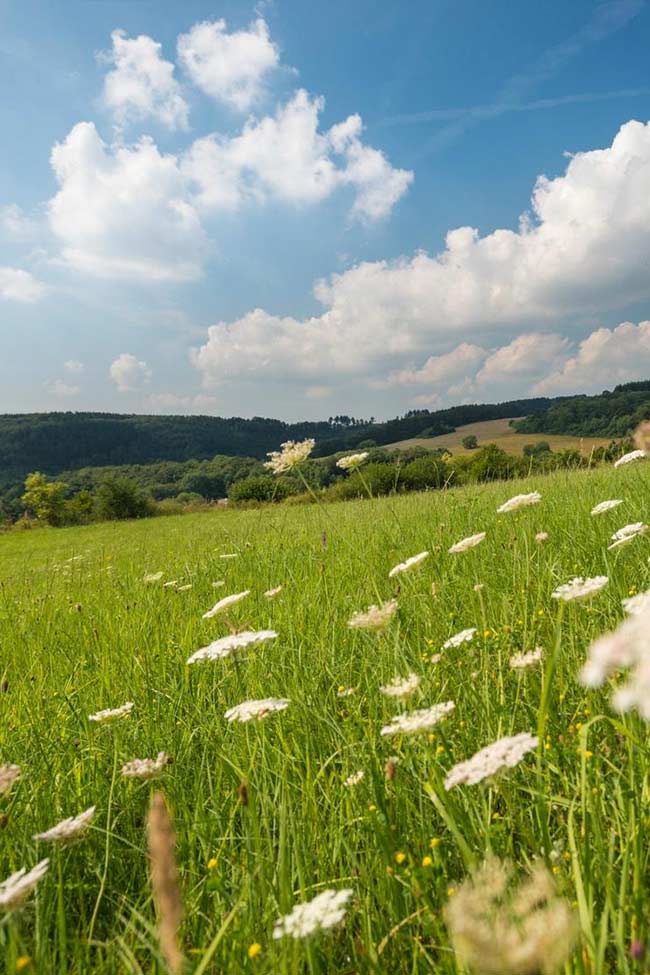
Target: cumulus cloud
584	248
58	387
141	84
128	373
124	211
19	285
73	365
229	66
606	357
16	224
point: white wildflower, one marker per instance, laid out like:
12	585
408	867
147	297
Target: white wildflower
411	563
467	543
9	774
401	686
628	647
604	506
479	587
435	658
579	588
226	646
16	888
501	754
185	588
416	721
637	604
67	829
375	617
271	593
229	555
168	585
630	458
248	710
292	454
627	534
325	911
522	660
352	461
465	636
541	537
225	603
152	577
218	584
145	768
519	501
355	778
346	691
112	714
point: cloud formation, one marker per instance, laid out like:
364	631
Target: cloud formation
128	373
606	357
19	285
61	389
141	84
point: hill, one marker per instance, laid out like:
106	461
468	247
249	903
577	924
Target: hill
504	435
610	414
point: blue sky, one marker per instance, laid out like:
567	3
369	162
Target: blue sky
240	209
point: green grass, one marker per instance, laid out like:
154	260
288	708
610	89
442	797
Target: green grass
77	636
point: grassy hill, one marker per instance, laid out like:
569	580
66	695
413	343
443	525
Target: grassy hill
270	813
501	433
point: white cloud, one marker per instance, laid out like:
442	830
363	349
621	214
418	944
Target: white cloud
584	249
142	84
72	365
62	389
519	364
15	223
128	373
285	157
605	358
229	67
124	211
19	285
460	363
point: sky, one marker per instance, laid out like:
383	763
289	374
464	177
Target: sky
303	210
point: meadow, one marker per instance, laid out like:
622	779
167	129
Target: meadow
271	812
500	432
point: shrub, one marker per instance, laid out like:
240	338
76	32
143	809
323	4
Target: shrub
119	498
470	442
259	489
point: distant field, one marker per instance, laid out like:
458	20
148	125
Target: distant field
500	433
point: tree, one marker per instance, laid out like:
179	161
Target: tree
470	442
44	498
262	488
119	498
535	449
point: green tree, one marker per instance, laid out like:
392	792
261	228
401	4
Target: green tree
262	488
470	442
44	499
119	498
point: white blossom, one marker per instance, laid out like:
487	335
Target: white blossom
465	636
219	583
604	506
145	768
16	888
248	710
292	454
627	534
501	754
541	537
579	588
411	563
225	603
627	647
401	686
352	461
467	543
375	617
9	774
355	778
519	501
271	593
226	646
346	691
152	577
67	829
325	911
415	721
112	714
630	458
229	555
637	604
522	660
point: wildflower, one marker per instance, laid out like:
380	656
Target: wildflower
16	888
630	458
226	646
633	605
435	658
401	686
112	714
292	454
164	882
416	721
212	863
8	775
184	588
325	911
352	461
355	778
579	588
346	691
23	962
627	534
642	437
411	563
496	930
145	768
427	861
467	543
375	617
434	843
604	506
465	636
254	950
218	584
270	593
400	857
521	660
637	950
479	587
541	537
225	603
256	709
67	829
152	577
229	555
168	585
501	754
519	501
625	648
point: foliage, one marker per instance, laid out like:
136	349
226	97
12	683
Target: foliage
470	442
610	414
119	498
44	499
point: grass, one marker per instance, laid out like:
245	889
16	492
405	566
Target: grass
501	433
80	631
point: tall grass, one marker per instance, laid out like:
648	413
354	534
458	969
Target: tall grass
262	816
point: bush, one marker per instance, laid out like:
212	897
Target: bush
119	498
470	442
535	449
44	498
423	473
259	489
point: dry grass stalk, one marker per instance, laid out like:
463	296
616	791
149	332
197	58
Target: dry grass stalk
164	881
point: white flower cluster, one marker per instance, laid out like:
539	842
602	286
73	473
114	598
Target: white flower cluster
637	604
604	506
627	534
416	721
355	778
152	577
411	563
501	754
630	458
225	603
112	714
522	660
226	646
579	588
8	775
401	686
628	647
352	461
271	593
519	501
465	636
375	617
541	537
67	829
248	710
325	911
293	453
145	768
467	543
16	888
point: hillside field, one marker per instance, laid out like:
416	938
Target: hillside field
270	813
501	433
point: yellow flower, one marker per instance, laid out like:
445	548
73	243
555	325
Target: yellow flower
400	857
440	749
254	950
427	861
451	891
434	843
23	962
212	862
372	807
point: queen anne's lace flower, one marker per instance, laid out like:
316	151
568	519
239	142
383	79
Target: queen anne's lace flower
8	775
346	691
580	588
225	603
145	768
541	537
630	458
256	709
627	647
152	577
292	454
16	888
375	617
352	461
112	714
411	563
465	636
226	646
355	778
522	660
67	829
519	501
326	910
401	686
604	506
501	754
637	604
627	534
271	593
415	721
467	543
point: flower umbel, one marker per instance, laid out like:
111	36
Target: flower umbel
467	543
411	563
417	721
293	453
145	768
225	603
229	645
465	636
627	534
112	714
325	911
605	506
352	461
522	660
375	617
401	687
9	774
248	710
630	458
501	754
67	829
579	588
519	501
16	888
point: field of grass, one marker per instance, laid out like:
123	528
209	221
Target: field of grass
263	817
501	433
